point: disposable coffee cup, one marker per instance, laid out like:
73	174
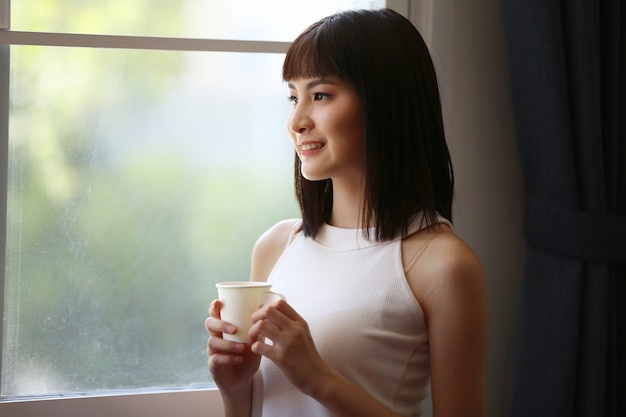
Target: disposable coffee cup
240	299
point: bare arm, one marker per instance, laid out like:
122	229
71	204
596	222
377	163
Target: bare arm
269	247
238	404
448	282
233	364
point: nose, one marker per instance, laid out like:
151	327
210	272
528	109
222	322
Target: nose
299	120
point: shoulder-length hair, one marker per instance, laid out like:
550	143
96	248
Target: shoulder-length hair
406	158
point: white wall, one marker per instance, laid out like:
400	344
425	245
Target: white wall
467	42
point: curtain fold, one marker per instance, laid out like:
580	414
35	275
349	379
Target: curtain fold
568	80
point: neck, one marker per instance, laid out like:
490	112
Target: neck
347	205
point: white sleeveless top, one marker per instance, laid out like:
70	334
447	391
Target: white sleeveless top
363	317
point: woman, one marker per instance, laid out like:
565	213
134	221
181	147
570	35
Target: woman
383	299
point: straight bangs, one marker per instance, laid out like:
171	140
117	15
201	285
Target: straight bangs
309	55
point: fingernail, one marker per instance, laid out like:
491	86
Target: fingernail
231	329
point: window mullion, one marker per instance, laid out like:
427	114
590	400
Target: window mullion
139	42
4	146
5	14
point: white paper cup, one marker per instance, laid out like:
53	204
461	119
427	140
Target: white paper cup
240	299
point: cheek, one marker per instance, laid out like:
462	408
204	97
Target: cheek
352	117
347	122
352	126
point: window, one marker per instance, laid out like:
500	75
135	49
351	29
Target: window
145	152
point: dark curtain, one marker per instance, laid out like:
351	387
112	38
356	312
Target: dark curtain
568	79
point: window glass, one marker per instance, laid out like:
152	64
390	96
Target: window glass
271	20
137	179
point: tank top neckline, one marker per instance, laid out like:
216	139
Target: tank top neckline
338	238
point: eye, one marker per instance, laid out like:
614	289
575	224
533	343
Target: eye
293	100
319	96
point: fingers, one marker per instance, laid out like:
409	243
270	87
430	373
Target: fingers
214	308
271	319
263	329
214	325
284	307
284	337
261	348
220	351
223	352
278	322
217	327
278	312
268	321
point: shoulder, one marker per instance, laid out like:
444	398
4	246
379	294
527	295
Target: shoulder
277	236
445	268
270	245
448	281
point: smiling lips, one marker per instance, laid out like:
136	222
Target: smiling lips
311	146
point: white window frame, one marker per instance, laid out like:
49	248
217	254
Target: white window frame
134	403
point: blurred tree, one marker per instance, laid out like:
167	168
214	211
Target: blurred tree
115	240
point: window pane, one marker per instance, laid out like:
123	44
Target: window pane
137	179
271	20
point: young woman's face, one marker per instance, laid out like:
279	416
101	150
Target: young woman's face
326	128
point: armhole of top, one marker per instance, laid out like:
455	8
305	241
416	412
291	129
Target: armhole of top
418	253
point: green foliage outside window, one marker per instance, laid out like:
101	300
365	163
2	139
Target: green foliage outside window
118	228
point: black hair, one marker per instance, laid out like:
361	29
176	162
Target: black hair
407	162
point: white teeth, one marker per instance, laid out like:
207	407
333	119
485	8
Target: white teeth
309	146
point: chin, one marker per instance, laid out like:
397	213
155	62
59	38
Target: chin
313	176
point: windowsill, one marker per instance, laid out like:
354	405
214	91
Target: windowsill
107	393
204	402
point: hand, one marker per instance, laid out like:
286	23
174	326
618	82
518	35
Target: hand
292	348
231	364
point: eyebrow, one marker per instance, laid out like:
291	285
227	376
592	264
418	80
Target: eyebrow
314	83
